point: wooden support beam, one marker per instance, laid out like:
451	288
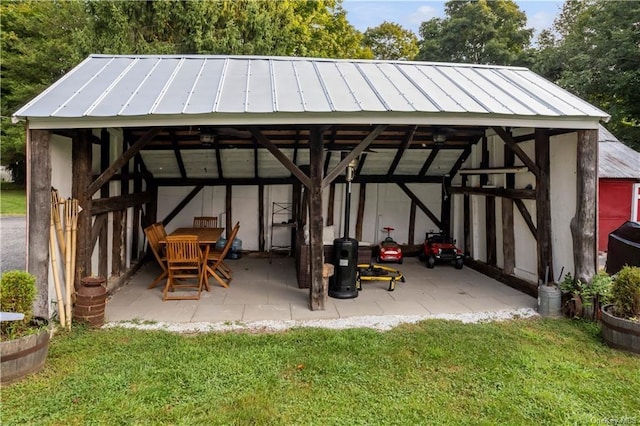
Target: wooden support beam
318	291
363	158
405	144
255	159
422	206
81	158
445	205
498	274
261	217
103	246
330	204
527	217
124	158
490	220
508	230
119	202
412	223
227	208
484	162
178	154
38	215
137	189
466	217
275	151
190	196
583	226
330	147
219	162
151	210
99	224
116	248
543	205
361	203
432	156
353	154
508	140
458	164
527	194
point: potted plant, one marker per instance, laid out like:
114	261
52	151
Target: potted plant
621	318
582	299
24	344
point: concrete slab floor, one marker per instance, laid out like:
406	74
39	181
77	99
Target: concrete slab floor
262	291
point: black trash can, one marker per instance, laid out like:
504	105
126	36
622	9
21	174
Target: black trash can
342	284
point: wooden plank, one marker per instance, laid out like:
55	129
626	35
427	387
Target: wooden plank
490	220
137	189
261	217
361	161
151	215
412	223
523	194
318	291
330	177
458	164
445	205
543	206
120	202
508	140
405	144
81	158
422	206
508	237
219	162
190	196
38	215
275	151
484	162
524	212
512	281
98	225
103	246
330	147
583	226
362	199
124	158
116	239
289	181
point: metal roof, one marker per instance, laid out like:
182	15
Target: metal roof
615	159
127	90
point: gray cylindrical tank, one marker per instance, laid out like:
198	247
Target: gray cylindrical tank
549	301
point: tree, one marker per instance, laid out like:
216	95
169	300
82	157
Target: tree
390	41
595	55
477	31
38	47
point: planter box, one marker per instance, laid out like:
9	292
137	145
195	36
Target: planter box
620	333
23	356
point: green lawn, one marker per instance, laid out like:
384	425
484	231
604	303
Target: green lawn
436	372
13	200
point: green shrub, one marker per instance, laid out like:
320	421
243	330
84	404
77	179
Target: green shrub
625	293
17	291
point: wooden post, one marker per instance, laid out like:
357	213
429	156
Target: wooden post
124	190
491	230
317	292
583	224
103	246
39	215
116	243
261	217
508	233
227	209
361	202
81	154
412	223
137	189
445	207
330	203
543	205
466	218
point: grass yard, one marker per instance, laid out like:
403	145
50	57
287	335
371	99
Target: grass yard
549	372
13	200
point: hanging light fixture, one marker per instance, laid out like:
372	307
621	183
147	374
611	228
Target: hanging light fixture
207	137
439	138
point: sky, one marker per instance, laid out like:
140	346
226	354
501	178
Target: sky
410	13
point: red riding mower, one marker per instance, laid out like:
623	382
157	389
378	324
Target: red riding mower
388	249
438	247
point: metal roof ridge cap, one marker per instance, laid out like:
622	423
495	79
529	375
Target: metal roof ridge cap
318	59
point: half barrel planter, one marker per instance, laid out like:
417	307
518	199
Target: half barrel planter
23	356
91	301
620	333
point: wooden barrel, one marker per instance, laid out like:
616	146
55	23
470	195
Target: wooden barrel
91	300
620	333
26	355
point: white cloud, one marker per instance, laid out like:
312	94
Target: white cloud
540	21
423	13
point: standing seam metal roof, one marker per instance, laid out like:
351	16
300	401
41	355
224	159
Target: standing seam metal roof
150	85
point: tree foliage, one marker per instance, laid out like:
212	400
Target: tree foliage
477	31
390	41
595	53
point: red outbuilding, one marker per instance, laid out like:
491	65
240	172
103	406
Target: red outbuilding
618	185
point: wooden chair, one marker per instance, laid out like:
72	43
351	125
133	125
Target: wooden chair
158	253
205	222
185	266
215	261
160	231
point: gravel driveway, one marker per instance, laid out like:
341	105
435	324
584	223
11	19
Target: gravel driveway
12	243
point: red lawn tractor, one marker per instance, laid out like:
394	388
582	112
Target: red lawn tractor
388	249
439	248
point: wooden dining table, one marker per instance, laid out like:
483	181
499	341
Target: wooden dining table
206	236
